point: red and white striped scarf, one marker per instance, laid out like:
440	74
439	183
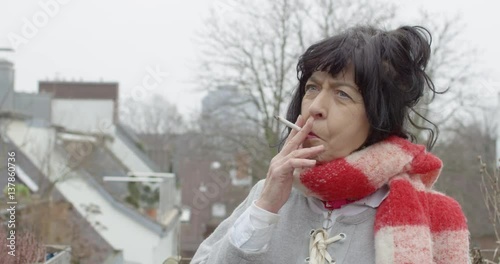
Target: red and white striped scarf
414	224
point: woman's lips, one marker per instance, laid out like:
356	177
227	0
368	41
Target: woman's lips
311	135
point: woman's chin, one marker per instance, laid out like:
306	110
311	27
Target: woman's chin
322	158
328	156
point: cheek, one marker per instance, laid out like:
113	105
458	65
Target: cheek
367	129
338	123
329	154
347	131
365	126
303	107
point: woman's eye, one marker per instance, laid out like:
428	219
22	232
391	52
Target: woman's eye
311	88
343	94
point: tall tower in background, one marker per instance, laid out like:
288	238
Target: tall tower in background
230	114
228	108
6	85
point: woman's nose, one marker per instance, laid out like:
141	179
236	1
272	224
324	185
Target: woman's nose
318	108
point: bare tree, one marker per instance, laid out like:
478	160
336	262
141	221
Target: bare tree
154	116
253	47
459	177
62	164
158	122
28	249
38	214
451	70
490	188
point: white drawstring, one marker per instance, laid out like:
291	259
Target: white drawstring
318	244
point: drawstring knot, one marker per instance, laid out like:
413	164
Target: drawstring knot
318	245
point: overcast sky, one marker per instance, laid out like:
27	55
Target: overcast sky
124	41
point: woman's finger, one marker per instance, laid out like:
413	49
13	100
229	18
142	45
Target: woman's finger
307	152
290	165
299	122
298	153
298	138
297	163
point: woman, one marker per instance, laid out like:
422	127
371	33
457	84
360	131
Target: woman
363	190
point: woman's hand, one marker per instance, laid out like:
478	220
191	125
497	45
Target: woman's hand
279	178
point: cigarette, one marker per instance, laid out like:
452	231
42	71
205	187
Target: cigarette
288	123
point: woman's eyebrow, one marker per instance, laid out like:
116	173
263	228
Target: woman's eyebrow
336	83
342	83
314	79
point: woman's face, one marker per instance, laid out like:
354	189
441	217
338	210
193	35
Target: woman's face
336	105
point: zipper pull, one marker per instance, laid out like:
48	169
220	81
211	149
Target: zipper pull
327	224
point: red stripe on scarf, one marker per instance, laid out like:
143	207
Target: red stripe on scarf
351	182
446	214
401	207
406	206
425	164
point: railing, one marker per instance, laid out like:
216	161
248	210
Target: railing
177	260
61	254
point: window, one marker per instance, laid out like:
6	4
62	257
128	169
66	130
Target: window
218	210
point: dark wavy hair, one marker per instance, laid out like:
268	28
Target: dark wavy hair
389	69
